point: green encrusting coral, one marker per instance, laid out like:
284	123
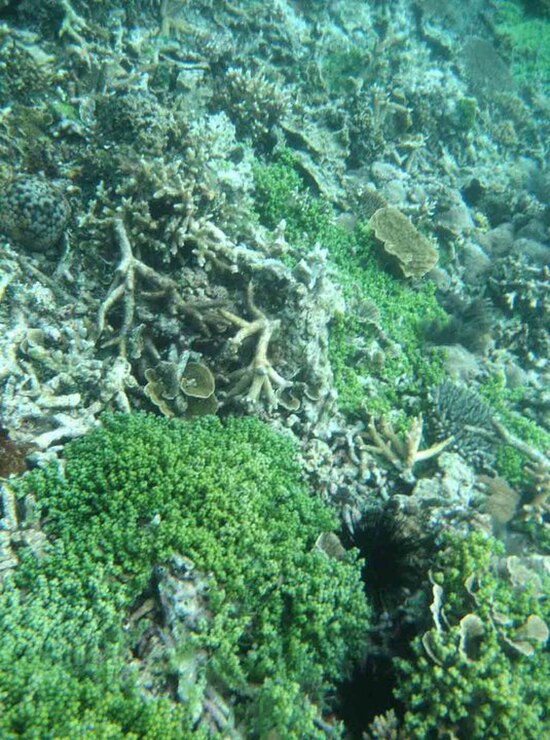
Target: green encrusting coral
468	677
286	620
403	364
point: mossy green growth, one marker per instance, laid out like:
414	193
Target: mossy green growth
343	66
510	462
281	193
406	366
130	494
528	37
486	689
537	7
403	366
465	114
61	666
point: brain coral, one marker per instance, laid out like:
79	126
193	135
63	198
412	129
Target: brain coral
33	213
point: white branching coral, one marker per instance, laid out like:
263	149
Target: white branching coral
123	289
259	378
403	453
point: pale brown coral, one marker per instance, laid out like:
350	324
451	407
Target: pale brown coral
414	253
402	453
259	378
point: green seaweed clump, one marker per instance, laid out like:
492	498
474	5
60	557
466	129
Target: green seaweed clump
482	670
377	348
510	462
528	38
282	622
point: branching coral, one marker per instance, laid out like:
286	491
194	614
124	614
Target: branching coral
123	289
403	453
259	378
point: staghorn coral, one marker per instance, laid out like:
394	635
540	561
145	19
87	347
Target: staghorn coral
123	289
371	102
259	378
402	453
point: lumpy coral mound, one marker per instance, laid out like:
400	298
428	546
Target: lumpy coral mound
199	539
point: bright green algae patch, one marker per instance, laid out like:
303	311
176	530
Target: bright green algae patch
510	462
528	39
403	365
481	687
286	620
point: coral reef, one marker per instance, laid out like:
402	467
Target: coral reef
332	217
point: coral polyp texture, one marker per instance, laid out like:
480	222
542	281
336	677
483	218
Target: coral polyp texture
33	212
413	252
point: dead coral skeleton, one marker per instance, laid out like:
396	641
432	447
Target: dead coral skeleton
404	453
259	378
123	289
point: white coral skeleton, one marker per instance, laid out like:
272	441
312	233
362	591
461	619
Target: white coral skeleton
404	453
259	378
